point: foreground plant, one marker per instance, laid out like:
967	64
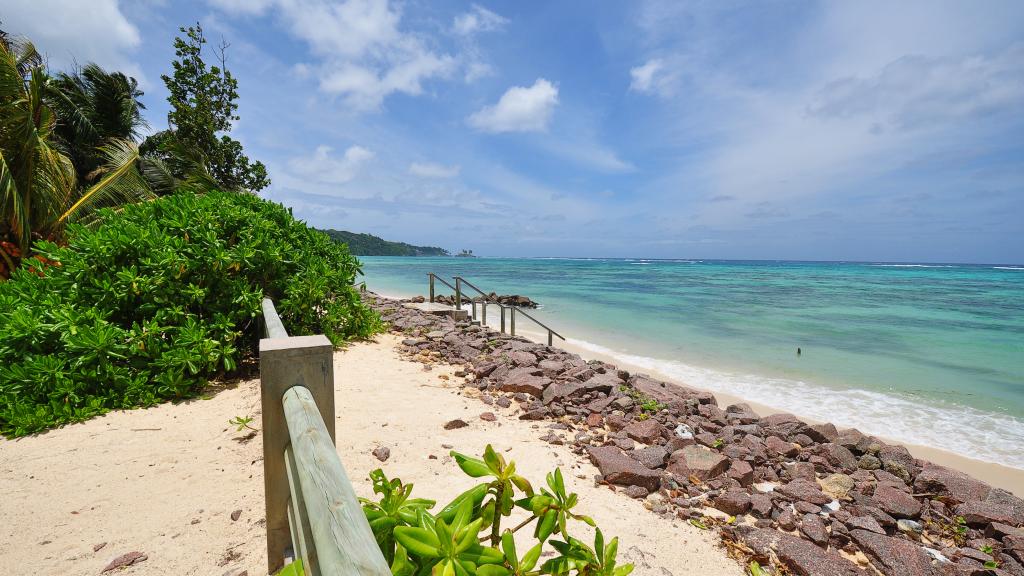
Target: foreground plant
465	537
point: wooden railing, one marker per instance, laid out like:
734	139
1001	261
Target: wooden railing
311	510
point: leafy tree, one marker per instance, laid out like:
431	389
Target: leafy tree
39	188
203	107
93	106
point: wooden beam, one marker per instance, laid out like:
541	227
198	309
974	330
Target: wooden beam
342	538
286	362
272	325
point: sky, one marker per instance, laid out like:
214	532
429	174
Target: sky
881	131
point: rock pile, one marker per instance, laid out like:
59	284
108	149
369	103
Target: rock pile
811	498
493	298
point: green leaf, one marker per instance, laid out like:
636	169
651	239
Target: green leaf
418	541
471	466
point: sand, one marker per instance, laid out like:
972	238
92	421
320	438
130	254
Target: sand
164	481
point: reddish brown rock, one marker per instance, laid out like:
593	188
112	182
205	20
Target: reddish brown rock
644	431
698	461
894	556
779	446
488	417
981	513
804	490
951	484
381	453
800	556
896	502
595	420
741	472
523	380
125	560
618	468
651	457
865	523
761	505
455	424
812	527
734	502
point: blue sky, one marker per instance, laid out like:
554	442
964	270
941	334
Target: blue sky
769	130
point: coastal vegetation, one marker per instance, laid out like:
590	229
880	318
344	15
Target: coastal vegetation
414	541
370	245
161	297
134	274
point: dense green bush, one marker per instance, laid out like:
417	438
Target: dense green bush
159	298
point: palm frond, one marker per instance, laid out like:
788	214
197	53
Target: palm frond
121	182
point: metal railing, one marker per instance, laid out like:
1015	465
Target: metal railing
513	310
311	510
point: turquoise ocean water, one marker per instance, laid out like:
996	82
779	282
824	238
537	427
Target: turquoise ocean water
925	354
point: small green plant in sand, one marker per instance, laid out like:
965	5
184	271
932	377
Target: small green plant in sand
466	538
242	422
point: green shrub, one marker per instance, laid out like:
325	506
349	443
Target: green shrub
157	299
415	542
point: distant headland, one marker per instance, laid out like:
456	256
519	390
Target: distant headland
370	245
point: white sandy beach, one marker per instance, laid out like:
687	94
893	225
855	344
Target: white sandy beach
165	481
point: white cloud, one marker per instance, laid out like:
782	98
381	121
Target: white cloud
364	55
248	7
520	109
918	91
327	169
643	76
433	170
478	19
70	32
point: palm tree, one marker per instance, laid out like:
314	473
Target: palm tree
94	106
39	187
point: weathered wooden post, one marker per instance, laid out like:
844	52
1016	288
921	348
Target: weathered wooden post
458	293
513	322
502	318
286	362
431	275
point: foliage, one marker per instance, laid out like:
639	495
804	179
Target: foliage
161	297
94	106
203	108
242	422
647	404
370	245
416	542
39	189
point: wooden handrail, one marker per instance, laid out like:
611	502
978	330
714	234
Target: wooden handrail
311	509
342	540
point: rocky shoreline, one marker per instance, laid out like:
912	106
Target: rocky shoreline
800	498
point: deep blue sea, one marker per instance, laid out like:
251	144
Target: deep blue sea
922	353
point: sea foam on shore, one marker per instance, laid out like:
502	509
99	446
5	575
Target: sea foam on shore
965	431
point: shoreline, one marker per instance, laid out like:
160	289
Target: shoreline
998	475
813	498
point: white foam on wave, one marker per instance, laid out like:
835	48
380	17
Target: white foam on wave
1008	267
966	431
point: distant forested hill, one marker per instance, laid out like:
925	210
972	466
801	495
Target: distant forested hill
370	245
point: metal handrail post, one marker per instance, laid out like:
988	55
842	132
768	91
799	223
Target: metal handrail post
483	310
502	318
513	330
549	337
458	293
431	274
473	306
